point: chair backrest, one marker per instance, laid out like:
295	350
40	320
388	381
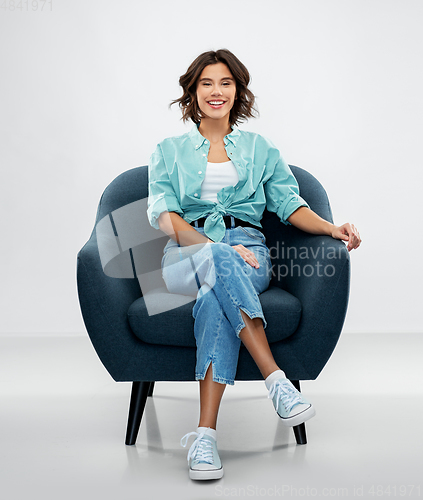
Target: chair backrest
313	192
128	187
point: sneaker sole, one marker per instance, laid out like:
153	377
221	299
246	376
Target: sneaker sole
204	475
298	419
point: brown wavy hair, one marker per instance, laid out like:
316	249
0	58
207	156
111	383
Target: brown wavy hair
243	107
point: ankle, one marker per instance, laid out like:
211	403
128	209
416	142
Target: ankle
268	371
207	425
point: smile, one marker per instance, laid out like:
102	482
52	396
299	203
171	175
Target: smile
216	104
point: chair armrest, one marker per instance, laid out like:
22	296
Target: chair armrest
104	303
316	270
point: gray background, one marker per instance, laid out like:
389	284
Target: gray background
84	96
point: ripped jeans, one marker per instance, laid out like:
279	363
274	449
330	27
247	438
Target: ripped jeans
222	283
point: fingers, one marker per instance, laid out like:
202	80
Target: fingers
250	258
247	255
352	235
355	240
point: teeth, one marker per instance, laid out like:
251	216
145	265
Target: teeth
216	102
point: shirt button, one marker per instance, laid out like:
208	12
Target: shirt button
195	194
206	142
204	154
200	171
196	145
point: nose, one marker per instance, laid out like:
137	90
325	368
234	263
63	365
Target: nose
216	91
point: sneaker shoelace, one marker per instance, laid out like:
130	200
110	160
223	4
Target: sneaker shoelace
201	449
285	394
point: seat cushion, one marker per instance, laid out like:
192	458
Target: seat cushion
175	326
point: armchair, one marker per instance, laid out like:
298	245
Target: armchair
134	322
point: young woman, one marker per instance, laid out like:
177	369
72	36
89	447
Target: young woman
208	189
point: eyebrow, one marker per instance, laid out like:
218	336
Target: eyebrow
227	78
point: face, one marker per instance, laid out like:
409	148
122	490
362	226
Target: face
216	90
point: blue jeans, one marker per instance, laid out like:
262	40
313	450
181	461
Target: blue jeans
222	283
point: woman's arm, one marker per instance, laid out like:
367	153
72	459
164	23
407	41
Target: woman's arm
179	230
308	221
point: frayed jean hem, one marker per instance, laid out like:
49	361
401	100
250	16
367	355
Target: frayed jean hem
220	380
251	316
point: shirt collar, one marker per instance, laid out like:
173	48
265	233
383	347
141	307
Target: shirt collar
198	140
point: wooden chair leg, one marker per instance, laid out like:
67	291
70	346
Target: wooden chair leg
139	394
299	430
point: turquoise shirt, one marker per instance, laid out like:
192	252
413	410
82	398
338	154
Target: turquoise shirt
177	169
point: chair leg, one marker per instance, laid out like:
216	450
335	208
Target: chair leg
150	390
299	430
139	395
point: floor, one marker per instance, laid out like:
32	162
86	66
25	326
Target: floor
63	423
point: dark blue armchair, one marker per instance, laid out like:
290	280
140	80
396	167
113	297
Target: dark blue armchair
144	334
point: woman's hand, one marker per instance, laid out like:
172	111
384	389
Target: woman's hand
347	232
247	255
307	220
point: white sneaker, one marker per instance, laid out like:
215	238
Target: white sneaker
289	403
203	457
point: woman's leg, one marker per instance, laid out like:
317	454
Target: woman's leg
191	271
217	354
215	335
255	340
220	272
210	396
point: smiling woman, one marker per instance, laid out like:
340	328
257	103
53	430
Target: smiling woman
207	191
216	90
232	74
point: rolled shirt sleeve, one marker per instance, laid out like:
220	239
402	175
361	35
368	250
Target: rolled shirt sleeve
282	191
161	194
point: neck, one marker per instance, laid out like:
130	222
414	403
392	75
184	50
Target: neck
214	130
